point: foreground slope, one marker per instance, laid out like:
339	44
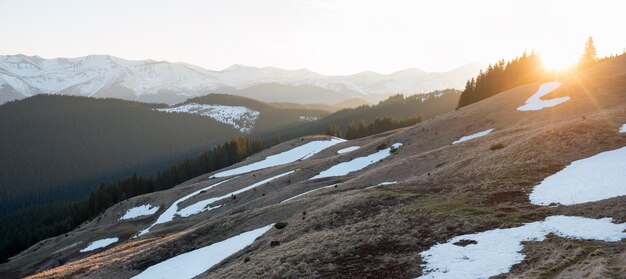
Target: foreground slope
384	220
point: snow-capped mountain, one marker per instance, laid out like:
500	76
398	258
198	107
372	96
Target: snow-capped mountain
160	81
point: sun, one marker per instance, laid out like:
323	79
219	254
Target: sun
558	61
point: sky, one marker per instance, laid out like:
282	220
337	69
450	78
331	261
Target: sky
330	37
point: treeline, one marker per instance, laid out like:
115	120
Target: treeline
359	129
527	68
398	107
502	76
24	228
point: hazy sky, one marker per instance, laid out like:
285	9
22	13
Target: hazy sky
332	37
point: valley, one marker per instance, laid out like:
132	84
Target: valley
478	191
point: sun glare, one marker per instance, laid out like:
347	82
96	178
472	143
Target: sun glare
558	62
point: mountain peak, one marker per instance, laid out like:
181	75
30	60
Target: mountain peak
235	67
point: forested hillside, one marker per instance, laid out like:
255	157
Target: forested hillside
524	69
63	147
398	107
28	226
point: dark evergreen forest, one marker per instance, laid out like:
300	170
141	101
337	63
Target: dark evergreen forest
26	227
63	147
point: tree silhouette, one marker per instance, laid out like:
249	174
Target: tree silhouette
332	129
502	76
589	57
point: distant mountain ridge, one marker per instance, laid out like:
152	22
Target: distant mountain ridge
166	82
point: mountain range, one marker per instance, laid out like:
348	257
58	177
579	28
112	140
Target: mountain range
166	82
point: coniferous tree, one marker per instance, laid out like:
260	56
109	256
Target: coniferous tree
502	76
332	129
589	57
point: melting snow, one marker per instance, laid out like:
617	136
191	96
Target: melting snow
304	151
473	136
204	204
242	118
308	118
622	129
357	163
536	103
308	192
99	244
68	247
191	264
142	210
170	212
494	252
383	184
598	177
347	149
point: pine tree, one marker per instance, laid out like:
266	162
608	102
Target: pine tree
589	57
332	130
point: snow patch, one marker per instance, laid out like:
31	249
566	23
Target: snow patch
536	103
99	244
203	205
494	252
67	247
473	136
301	152
598	177
308	118
382	184
242	118
308	192
357	163
622	129
170	212
347	149
142	210
191	264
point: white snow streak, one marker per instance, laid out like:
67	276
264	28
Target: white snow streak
347	149
308	192
204	204
99	244
496	251
598	177
242	118
622	129
304	151
357	163
142	210
68	247
473	136
191	264
382	184
536	103
170	212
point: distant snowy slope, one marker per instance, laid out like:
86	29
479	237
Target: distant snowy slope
242	118
162	81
